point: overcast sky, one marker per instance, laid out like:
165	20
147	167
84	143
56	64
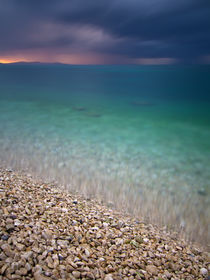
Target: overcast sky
105	31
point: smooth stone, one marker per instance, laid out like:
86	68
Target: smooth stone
2	256
5	237
139	239
203	271
17	222
151	269
76	274
13	217
10	227
60	257
63	243
108	277
28	266
20	246
47	234
7	250
39	276
167	274
27	255
87	253
50	262
22	271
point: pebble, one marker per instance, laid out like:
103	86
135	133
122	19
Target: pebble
87	253
47	234
22	271
167	274
108	277
105	224
76	274
151	269
204	271
27	255
17	222
7	250
75	201
10	227
39	276
5	237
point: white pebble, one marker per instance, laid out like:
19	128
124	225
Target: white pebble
108	277
105	224
204	271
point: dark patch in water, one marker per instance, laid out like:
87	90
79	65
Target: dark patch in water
202	192
79	108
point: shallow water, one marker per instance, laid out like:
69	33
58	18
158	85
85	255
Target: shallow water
138	136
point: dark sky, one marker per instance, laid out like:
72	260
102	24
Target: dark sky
105	31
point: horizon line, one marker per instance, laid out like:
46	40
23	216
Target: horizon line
96	64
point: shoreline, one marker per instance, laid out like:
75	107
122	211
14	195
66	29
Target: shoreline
117	158
49	233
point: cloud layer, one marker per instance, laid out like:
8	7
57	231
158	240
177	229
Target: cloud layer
105	31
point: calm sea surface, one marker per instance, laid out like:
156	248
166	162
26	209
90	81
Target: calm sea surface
138	136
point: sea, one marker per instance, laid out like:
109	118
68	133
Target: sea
134	137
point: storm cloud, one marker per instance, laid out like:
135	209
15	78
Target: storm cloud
117	30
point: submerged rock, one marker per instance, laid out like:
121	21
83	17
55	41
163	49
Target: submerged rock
202	192
79	108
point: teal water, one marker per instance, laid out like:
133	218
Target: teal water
136	135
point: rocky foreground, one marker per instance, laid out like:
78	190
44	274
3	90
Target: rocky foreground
47	233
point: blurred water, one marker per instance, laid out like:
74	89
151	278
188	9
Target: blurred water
147	128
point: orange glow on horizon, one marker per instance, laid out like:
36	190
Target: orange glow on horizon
85	59
66	59
11	60
76	59
7	61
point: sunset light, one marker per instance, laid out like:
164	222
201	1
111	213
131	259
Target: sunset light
7	61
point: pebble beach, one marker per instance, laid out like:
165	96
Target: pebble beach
49	233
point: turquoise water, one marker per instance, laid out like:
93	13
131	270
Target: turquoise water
138	136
